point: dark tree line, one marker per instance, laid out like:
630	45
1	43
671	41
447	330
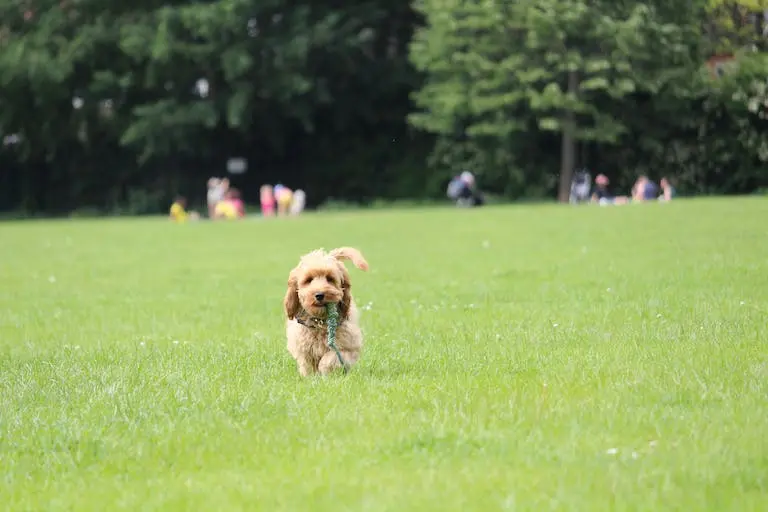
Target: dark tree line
117	106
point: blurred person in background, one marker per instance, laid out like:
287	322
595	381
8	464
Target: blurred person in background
267	201
214	196
298	202
179	212
463	189
603	196
470	194
644	190
667	190
284	197
231	207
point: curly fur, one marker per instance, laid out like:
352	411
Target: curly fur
321	274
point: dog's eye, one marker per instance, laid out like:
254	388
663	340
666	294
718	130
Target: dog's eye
306	281
330	279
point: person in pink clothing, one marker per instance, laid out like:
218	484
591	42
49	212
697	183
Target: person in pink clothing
267	199
234	197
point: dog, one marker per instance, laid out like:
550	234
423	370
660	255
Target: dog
319	279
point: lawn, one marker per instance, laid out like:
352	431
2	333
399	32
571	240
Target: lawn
517	358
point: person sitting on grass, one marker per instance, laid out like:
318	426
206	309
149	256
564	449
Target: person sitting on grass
602	195
470	194
667	190
231	208
454	188
236	199
463	189
644	190
178	211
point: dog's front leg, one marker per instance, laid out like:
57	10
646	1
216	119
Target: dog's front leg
306	368
329	362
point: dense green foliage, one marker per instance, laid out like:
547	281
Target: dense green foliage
625	81
109	104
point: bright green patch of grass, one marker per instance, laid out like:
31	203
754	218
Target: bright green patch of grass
517	358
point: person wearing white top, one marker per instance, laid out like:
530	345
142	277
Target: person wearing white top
298	201
217	189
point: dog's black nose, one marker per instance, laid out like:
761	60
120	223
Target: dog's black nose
319	296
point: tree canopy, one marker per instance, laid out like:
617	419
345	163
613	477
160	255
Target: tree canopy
604	76
117	106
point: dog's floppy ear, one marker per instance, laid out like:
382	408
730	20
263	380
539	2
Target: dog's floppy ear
346	298
351	254
291	302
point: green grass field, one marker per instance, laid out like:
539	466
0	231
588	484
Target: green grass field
516	358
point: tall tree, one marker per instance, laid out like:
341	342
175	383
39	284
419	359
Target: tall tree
109	97
493	68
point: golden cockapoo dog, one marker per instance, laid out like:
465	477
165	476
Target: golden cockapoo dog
321	278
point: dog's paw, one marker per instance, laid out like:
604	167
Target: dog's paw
305	368
330	362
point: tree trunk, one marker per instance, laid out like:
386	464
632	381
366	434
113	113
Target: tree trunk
568	149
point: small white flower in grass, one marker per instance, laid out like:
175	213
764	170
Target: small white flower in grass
77	347
612	451
555	325
635	455
142	344
52	279
609	290
175	342
653	443
658	315
742	303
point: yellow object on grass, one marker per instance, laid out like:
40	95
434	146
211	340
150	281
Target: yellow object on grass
226	210
178	213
